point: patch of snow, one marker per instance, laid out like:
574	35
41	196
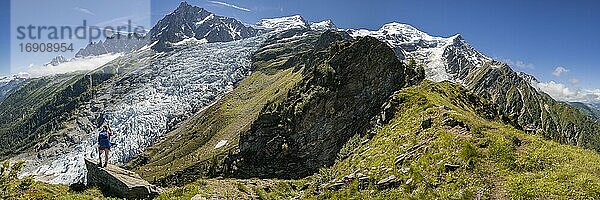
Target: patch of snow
209	17
220	144
147	47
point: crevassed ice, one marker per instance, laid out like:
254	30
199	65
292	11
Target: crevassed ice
169	89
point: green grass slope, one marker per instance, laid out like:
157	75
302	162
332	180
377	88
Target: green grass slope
492	159
443	142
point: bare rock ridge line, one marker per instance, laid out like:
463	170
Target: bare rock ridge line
118	181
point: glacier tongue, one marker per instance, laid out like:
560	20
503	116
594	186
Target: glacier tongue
147	102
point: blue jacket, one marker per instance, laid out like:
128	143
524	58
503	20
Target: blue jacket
104	139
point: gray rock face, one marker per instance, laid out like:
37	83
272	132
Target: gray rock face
193	22
337	99
529	78
390	181
118	43
461	58
118	182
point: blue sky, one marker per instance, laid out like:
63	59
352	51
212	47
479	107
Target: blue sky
533	36
65	13
4	37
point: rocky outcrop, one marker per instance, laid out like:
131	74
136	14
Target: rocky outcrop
338	97
118	182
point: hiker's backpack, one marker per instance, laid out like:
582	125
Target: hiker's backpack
104	139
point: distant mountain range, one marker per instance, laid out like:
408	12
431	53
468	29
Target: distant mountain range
117	43
591	109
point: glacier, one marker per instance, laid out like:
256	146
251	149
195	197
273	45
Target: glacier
144	103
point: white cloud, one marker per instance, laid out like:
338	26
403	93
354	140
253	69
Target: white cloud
574	81
83	10
517	63
521	64
230	5
561	92
559	71
77	64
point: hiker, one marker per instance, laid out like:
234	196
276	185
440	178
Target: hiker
104	144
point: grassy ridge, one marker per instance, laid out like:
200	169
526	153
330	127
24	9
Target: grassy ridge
495	160
466	152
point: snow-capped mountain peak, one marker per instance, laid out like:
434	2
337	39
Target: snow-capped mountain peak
283	23
323	25
189	21
406	30
444	58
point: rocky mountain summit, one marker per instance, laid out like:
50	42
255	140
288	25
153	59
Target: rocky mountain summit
323	25
189	21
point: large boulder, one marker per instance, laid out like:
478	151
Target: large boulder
118	182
